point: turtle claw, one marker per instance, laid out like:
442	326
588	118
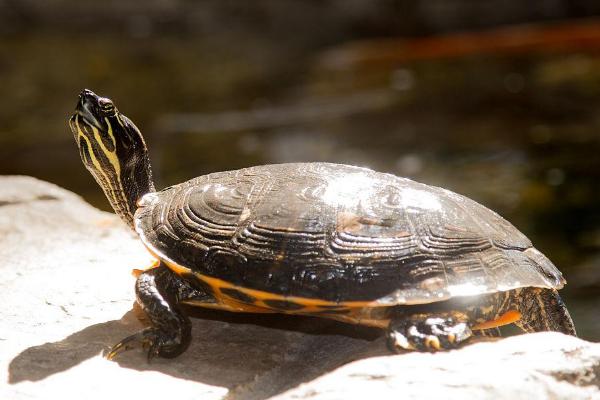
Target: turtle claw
427	333
153	341
126	344
117	348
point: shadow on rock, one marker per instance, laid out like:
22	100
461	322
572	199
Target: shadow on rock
39	362
254	356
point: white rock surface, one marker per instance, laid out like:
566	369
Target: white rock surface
66	295
536	366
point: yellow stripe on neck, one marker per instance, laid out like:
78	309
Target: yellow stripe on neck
112	159
111	155
90	151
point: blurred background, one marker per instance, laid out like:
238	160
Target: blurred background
496	100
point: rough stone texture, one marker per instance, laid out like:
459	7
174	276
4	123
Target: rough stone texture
66	295
536	366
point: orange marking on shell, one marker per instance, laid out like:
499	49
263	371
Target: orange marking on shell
262	295
240	307
507	318
352	318
136	272
311	306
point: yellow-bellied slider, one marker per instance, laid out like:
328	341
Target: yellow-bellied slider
426	264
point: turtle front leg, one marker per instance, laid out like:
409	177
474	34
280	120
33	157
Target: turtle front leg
428	331
158	292
543	310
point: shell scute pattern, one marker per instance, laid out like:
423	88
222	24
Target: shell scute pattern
491	225
339	233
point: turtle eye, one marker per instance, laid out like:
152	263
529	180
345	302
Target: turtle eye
106	105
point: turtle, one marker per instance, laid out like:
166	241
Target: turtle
428	266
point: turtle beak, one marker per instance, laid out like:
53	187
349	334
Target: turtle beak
88	107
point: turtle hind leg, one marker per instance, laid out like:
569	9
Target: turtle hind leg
158	292
428	331
543	310
490	333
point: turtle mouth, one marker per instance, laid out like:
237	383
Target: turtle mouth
92	109
87	108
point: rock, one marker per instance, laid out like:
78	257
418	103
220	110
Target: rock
66	295
544	365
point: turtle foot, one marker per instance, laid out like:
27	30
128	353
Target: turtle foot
427	333
158	292
155	341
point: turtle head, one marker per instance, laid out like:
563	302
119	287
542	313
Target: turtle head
114	151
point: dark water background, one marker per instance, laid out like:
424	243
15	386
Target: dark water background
499	101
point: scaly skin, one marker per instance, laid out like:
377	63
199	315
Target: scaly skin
543	310
159	292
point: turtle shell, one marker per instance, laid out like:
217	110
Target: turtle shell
339	234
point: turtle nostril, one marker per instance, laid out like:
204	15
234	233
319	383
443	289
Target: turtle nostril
87	92
87	95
